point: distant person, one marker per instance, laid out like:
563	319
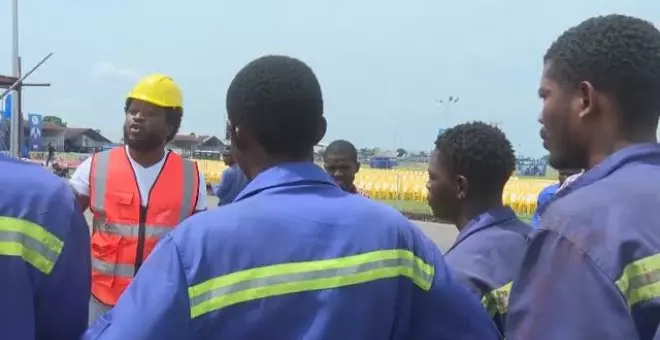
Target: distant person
294	256
548	192
44	256
340	160
591	269
232	181
469	167
51	153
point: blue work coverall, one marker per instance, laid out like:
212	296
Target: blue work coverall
232	182
44	256
296	257
591	270
486	256
544	197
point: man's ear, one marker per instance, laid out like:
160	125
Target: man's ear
238	137
462	187
321	129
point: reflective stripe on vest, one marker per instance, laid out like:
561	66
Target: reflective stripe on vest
29	241
129	230
497	300
115	202
113	269
280	279
640	280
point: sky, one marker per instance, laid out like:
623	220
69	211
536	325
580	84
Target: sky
383	65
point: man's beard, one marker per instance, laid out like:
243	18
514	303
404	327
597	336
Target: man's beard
149	143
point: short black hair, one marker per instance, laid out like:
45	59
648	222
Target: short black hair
480	152
173	117
342	147
279	99
620	56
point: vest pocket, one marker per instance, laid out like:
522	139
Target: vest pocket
125	206
105	255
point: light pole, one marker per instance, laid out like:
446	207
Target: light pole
446	105
15	84
15	125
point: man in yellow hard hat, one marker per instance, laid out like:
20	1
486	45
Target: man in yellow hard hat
137	192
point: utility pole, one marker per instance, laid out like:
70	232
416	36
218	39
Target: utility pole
14	134
15	85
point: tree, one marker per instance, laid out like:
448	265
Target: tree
400	152
55	120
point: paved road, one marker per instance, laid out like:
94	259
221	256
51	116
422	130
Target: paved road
442	234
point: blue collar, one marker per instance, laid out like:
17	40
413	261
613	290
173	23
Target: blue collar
484	220
639	153
286	174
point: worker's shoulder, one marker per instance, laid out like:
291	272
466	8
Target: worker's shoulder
633	188
613	220
21	178
514	228
260	220
504	242
261	211
32	193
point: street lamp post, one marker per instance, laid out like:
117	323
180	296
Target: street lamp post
15	85
446	105
15	125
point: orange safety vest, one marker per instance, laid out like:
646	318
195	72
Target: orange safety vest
124	233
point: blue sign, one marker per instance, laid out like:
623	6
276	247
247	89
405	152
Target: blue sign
35	124
6	110
5	123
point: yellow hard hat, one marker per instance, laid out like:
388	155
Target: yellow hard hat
158	89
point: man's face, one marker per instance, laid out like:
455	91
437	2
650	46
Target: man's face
145	127
443	197
562	127
342	169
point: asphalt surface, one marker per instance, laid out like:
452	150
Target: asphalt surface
442	234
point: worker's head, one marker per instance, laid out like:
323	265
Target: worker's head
470	165
600	89
563	174
340	160
275	110
227	157
153	109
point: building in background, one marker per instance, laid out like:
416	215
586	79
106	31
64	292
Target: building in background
197	146
79	140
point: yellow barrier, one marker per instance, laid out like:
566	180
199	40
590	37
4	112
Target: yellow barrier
410	185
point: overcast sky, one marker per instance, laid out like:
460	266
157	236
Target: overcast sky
382	64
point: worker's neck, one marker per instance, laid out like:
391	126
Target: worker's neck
472	209
147	158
